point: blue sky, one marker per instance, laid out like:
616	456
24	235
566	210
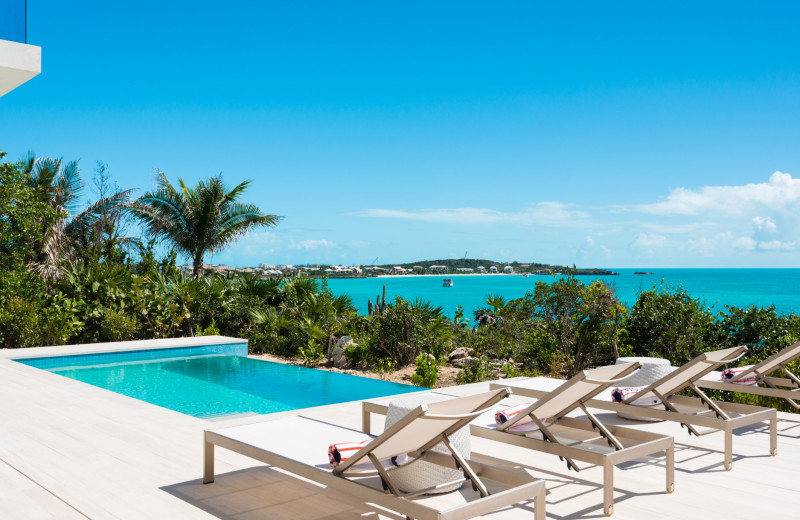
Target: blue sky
608	134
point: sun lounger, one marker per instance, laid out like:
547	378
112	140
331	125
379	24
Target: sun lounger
299	445
589	441
690	412
786	388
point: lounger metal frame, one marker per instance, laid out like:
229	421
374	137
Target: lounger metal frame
624	444
690	412
786	388
349	478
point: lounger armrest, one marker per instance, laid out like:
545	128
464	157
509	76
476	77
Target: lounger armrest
471	415
628	369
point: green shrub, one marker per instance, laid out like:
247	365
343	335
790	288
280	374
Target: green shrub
357	352
211	330
19	324
403	331
474	371
60	320
384	366
427	372
762	330
668	323
312	354
116	325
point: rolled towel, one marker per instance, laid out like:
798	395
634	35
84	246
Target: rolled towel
730	373
341	451
525	425
620	394
507	413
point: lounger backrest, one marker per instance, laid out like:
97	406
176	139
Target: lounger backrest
786	355
423	427
692	371
581	388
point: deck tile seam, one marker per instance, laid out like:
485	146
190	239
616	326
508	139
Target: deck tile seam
45	489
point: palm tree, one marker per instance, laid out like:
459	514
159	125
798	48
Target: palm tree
490	315
59	184
200	220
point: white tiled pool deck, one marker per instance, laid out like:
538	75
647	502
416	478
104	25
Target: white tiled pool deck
69	450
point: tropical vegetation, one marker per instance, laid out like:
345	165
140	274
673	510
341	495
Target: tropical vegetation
74	275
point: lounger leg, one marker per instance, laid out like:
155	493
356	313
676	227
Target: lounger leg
208	463
608	489
728	449
366	418
670	468
773	436
538	505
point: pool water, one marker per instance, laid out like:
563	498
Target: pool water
214	385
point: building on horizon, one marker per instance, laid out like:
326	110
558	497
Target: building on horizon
19	62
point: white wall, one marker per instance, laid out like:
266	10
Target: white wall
18	63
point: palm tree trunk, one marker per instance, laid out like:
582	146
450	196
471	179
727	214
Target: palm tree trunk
197	266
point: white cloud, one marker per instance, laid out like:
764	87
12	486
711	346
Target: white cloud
720	244
764	224
670	228
780	192
309	245
743	244
551	214
650	240
777	245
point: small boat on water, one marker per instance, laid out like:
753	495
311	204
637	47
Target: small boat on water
447	282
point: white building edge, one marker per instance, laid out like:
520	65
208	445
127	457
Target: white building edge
19	62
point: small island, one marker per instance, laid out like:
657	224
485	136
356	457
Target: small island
451	266
642	272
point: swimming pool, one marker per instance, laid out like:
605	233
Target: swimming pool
214	381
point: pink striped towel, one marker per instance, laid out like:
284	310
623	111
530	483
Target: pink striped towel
341	451
730	373
620	394
506	414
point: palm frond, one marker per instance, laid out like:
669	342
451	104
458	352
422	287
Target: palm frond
200	220
53	255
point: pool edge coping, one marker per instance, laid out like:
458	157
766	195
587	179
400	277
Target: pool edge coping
119	346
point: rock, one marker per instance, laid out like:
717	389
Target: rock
339	359
430	357
460	353
460	362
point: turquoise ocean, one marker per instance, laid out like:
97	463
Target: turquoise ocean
718	287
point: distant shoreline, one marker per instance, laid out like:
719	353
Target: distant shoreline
452	275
